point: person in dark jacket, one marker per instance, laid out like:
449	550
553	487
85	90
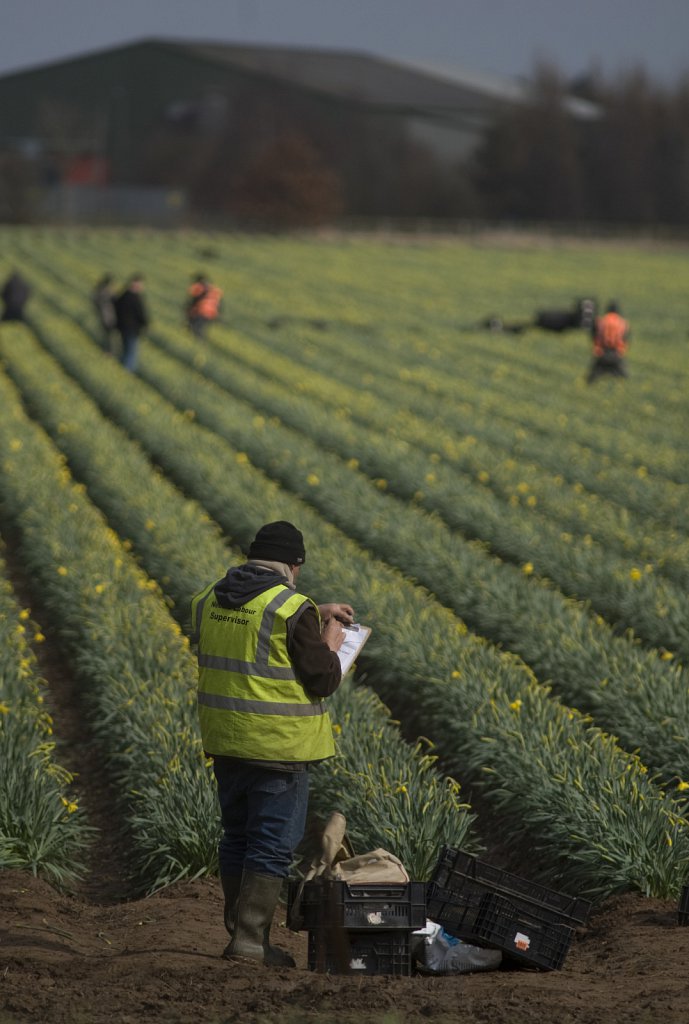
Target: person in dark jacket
131	318
15	294
267	658
103	299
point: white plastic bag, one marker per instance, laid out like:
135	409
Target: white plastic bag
441	953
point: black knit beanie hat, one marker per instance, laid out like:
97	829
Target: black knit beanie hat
279	542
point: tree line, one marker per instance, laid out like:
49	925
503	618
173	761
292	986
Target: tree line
537	163
630	165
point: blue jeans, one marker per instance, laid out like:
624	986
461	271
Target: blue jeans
130	349
263	817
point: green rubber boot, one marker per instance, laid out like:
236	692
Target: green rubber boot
258	897
230	888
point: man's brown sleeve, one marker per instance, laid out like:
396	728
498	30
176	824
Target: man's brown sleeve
317	667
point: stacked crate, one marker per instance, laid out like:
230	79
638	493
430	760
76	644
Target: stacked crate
486	906
360	928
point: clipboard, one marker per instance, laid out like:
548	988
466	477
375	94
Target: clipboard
355	638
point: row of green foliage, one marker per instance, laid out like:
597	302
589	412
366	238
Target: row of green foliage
42	826
106	611
376	778
591	808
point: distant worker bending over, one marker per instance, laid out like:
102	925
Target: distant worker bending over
267	658
203	305
611	337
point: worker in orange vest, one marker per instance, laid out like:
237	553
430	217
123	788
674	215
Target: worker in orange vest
611	336
203	305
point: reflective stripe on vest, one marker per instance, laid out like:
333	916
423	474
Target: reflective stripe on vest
259	707
197	604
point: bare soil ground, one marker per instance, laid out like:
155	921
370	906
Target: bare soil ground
94	958
64	960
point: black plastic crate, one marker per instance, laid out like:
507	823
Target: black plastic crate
683	909
456	912
359	906
466	877
339	951
532	942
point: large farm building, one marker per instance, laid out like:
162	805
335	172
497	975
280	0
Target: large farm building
161	126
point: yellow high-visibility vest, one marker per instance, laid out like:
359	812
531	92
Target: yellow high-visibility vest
250	703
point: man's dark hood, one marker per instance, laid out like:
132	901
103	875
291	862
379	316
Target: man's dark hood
245	582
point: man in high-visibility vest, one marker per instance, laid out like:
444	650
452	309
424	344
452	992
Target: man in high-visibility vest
203	304
611	336
267	658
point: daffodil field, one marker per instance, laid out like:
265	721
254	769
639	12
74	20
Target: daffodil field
40	825
517	540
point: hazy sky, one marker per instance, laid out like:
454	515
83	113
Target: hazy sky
496	36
